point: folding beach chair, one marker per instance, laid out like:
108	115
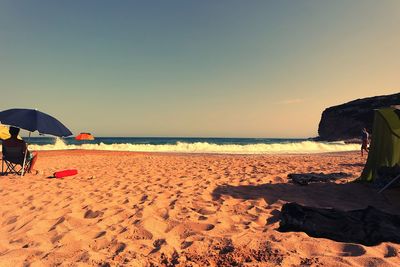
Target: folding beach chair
13	159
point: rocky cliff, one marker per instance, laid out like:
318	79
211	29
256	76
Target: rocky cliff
344	122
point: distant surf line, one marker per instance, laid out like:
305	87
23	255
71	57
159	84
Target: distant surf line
205	147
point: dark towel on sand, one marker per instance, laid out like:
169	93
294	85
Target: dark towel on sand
368	226
306	178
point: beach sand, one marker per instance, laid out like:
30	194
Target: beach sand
143	209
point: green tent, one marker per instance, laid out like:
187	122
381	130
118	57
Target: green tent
385	143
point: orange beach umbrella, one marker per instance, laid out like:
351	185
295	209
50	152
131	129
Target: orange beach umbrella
84	136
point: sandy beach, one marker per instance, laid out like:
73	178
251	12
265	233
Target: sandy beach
149	209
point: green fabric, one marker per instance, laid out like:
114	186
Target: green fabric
385	143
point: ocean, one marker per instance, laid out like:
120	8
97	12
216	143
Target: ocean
193	145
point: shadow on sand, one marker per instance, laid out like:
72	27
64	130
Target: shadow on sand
352	164
345	196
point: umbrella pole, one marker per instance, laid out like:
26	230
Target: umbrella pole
26	152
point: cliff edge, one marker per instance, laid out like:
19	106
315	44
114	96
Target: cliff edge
345	121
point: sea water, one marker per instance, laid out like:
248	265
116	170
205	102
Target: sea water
193	145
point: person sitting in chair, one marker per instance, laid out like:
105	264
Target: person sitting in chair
14	142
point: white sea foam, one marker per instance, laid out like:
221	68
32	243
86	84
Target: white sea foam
204	147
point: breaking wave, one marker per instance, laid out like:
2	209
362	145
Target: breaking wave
204	147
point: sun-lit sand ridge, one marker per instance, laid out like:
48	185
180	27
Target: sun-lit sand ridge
138	209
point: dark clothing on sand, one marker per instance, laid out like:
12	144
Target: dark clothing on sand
368	226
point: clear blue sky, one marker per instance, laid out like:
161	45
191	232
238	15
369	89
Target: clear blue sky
196	68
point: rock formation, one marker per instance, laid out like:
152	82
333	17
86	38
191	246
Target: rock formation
345	121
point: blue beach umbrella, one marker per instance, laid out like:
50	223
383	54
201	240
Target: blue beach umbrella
33	120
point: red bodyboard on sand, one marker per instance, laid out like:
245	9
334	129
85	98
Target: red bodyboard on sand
65	173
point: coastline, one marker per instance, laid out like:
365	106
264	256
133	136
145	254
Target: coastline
94	151
141	208
228	146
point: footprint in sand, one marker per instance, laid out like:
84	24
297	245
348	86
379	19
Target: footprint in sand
118	248
12	220
186	244
140	233
202	218
100	234
157	245
60	220
172	203
143	199
201	227
12	241
163	213
204	211
56	238
125	187
84	257
353	250
92	214
123	230
31	244
390	252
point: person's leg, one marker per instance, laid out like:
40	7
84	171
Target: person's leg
34	156
364	146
